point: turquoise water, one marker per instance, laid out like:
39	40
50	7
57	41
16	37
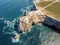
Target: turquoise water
40	34
13	8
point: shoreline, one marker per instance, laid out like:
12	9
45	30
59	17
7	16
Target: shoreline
34	17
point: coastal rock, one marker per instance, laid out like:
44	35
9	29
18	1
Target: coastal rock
30	18
15	38
34	17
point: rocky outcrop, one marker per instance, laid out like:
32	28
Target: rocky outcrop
31	18
35	17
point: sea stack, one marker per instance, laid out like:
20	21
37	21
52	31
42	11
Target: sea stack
15	38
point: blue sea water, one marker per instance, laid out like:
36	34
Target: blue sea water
13	8
40	34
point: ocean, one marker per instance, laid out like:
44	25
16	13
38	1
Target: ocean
40	34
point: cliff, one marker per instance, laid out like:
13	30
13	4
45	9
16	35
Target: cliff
49	16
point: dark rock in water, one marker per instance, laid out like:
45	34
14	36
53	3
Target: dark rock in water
25	13
20	32
16	26
33	8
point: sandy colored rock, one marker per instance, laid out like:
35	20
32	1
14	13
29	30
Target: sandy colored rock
16	36
27	21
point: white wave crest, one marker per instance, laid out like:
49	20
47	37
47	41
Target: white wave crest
1	18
